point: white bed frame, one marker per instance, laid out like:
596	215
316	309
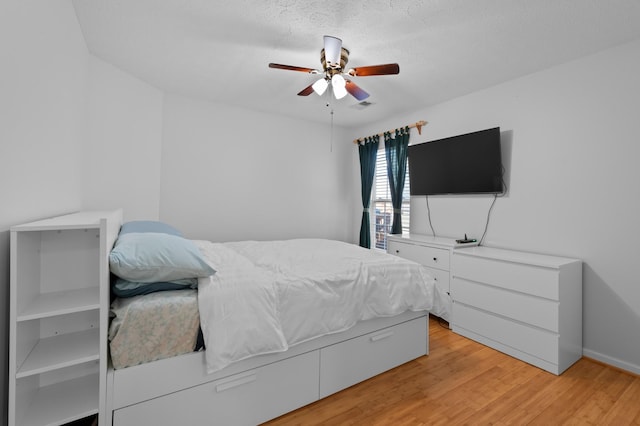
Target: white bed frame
178	391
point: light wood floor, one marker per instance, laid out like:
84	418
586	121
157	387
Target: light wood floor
464	382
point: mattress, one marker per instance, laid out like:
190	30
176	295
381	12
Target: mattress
153	326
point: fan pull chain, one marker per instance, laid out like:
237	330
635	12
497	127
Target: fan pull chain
331	148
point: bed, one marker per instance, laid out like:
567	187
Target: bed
284	323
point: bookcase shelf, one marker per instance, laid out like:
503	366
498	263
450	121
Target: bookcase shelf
63	402
59	307
60	303
61	351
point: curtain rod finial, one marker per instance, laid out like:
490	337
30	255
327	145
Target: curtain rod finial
419	125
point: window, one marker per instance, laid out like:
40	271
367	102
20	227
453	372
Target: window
383	217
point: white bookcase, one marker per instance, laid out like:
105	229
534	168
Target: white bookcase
59	307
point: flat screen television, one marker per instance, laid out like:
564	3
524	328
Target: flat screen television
463	164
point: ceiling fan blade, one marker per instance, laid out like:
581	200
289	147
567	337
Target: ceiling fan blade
356	91
306	91
293	68
332	50
385	69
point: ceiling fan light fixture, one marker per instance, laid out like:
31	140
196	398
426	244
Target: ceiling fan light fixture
338	82
320	86
334	58
332	50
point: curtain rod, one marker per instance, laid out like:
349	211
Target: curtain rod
418	125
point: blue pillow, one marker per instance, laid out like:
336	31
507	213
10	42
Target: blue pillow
148	226
124	288
148	257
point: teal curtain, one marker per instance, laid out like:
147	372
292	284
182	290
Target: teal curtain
396	153
368	152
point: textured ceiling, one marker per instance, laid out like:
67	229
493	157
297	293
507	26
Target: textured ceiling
219	50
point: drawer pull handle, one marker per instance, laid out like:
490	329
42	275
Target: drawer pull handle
397	251
435	259
381	336
236	382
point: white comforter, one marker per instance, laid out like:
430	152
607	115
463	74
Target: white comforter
268	296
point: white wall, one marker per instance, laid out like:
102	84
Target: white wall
570	145
233	174
123	145
42	99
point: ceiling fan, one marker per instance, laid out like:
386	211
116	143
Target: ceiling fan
334	57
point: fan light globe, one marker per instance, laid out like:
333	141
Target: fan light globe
339	89
332	50
320	86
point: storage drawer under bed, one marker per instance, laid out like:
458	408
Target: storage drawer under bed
249	398
355	360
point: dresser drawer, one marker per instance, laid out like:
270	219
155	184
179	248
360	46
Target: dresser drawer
532	310
531	279
427	256
246	398
533	341
357	359
441	277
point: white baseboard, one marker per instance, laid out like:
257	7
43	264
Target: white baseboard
623	365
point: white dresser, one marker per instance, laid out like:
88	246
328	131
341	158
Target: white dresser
524	304
432	252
